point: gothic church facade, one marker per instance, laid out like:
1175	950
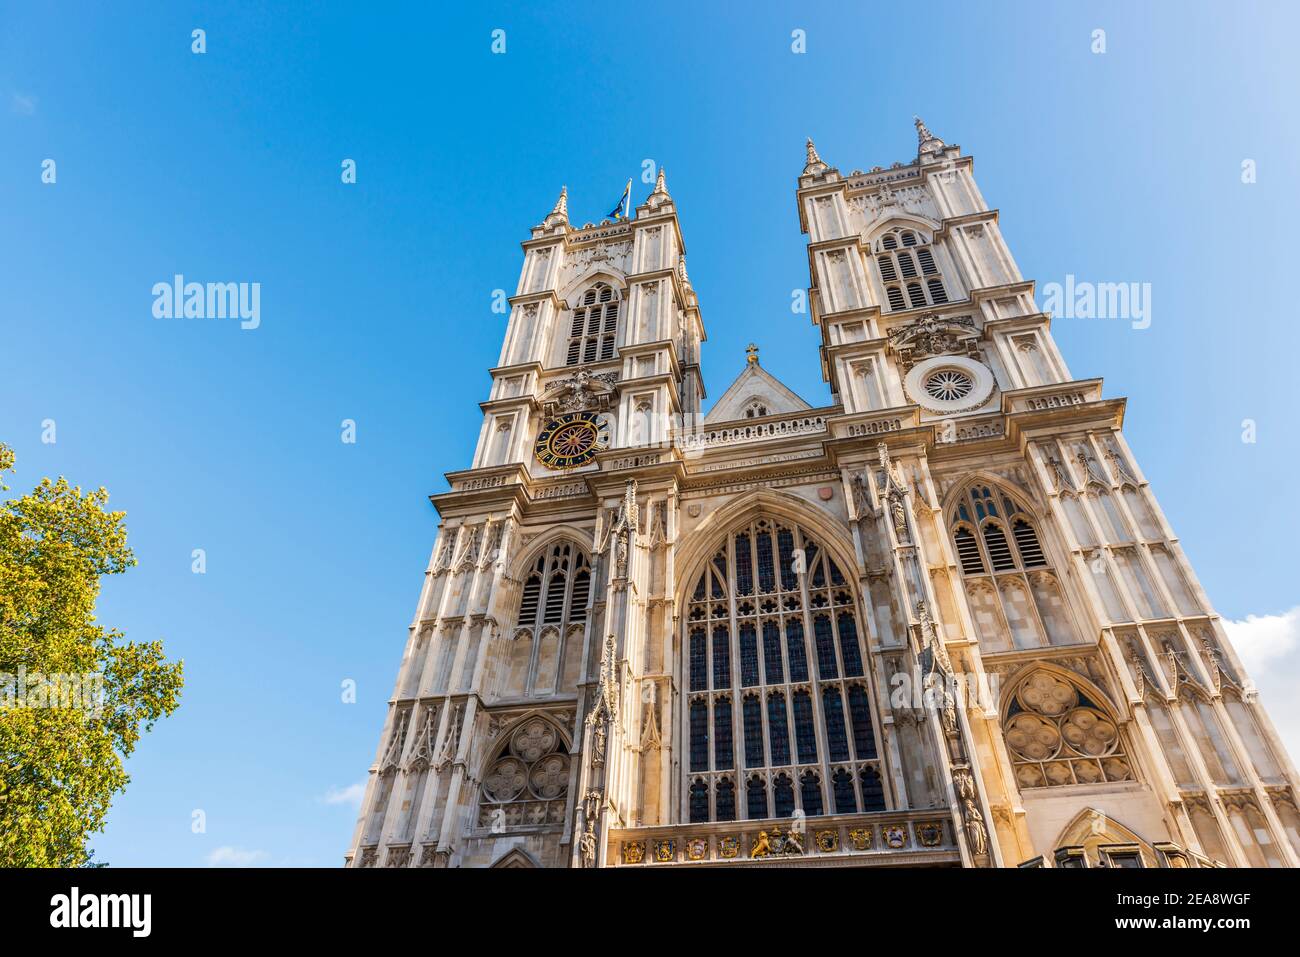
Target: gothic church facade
941	621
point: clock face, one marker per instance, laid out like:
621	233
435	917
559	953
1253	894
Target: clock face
571	440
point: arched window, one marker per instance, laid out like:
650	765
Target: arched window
755	798
1014	595
842	783
906	263
777	681
810	787
594	331
699	801
756	409
547	646
528	781
726	800
1058	736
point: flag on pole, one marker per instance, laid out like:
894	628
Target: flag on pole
620	211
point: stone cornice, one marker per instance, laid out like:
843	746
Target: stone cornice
498	405
1032	320
518	368
966	219
542	295
985	293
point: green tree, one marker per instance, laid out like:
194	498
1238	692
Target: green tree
60	765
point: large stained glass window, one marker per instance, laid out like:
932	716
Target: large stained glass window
779	705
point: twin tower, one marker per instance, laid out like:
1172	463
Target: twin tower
939	621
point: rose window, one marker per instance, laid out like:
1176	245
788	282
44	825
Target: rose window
1058	737
528	782
948	385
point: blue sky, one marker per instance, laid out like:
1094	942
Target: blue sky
376	298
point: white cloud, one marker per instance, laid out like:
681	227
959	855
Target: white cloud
352	794
22	104
1269	647
1261	638
227	856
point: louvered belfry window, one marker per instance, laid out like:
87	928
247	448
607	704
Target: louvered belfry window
552	601
1014	594
991	513
779	709
906	264
594	330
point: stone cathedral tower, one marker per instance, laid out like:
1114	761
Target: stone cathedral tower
940	621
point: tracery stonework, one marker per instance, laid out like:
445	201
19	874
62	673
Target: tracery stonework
938	621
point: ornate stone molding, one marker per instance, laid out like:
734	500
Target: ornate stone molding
934	335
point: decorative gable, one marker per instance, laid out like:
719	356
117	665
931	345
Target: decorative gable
755	393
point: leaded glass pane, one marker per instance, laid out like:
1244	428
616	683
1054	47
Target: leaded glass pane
726	800
778	729
721	658
772	671
753	721
804	732
755	798
837	740
864	735
849	649
748	655
826	667
794	648
810	789
699	736
699	661
723	756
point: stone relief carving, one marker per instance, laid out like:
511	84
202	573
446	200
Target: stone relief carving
615	255
580	392
890	200
931	335
894	492
626	526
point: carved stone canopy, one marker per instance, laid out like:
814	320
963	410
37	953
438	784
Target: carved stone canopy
580	392
933	335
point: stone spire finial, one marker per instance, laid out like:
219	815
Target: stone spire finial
560	212
681	271
751	352
659	195
926	142
814	164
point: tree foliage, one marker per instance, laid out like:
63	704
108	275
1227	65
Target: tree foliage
60	766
